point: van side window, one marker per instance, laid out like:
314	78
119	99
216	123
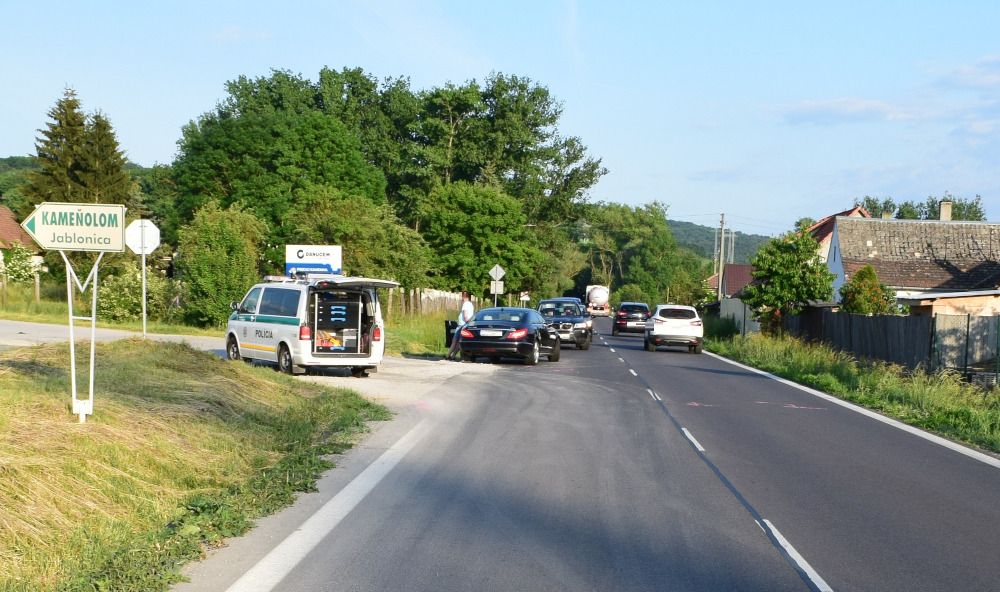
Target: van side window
280	302
249	304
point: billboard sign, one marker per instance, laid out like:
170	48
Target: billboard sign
313	259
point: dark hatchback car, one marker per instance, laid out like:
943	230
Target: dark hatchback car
509	332
571	320
631	318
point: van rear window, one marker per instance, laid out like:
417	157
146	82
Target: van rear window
280	302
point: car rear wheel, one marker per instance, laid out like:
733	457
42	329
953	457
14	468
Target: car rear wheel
649	345
533	358
284	359
614	330
696	349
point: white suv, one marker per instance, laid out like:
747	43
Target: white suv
674	324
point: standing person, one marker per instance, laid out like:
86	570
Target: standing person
464	316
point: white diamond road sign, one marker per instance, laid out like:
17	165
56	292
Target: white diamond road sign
77	227
497	273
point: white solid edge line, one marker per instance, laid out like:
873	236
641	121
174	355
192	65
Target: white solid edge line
974	454
799	560
277	564
688	435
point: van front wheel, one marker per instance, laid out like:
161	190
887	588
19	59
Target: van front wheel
284	359
233	350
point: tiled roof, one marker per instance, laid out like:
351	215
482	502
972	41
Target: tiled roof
824	228
922	253
11	231
736	277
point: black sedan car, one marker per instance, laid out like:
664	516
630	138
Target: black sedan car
570	318
631	318
509	333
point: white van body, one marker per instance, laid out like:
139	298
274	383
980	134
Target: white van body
310	321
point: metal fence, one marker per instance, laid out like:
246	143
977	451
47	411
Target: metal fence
969	345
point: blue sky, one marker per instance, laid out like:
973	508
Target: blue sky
765	111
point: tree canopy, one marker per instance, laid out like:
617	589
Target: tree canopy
788	275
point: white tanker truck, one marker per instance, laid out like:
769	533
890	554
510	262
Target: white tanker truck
597	300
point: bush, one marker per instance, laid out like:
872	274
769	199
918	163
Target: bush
218	258
119	297
17	265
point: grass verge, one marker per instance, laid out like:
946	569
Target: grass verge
183	450
940	403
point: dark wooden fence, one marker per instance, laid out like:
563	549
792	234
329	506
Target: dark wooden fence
903	340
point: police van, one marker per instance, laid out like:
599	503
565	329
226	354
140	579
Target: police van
310	321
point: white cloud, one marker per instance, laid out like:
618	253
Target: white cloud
983	74
836	111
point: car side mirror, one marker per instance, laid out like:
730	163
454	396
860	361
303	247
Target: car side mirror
235	306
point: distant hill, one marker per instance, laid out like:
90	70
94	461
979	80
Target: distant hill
702	239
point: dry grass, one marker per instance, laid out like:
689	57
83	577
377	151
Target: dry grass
169	422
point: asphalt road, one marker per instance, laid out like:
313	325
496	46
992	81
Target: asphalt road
620	469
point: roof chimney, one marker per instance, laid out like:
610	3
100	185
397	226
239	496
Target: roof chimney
945	210
886	215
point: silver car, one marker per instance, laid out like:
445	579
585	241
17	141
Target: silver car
674	325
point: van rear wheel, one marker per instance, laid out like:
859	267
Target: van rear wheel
284	359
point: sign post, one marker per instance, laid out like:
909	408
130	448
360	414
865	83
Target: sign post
496	286
65	227
142	237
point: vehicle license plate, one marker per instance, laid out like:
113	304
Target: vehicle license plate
636	324
490	333
564	336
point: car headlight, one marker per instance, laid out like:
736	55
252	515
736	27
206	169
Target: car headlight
580	325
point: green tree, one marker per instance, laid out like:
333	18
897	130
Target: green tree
58	154
13	176
80	159
102	174
470	229
218	259
864	294
374	242
789	274
877	208
263	162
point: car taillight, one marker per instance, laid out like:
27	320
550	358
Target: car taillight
519	334
305	333
466	333
622	313
378	334
696	323
658	320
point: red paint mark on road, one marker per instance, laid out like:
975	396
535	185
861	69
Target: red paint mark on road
422	405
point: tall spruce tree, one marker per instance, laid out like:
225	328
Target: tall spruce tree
80	159
58	153
102	172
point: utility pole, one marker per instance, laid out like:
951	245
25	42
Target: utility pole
722	255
